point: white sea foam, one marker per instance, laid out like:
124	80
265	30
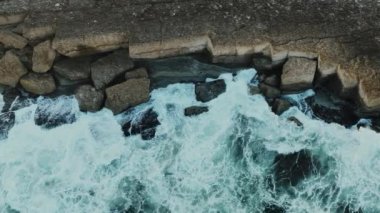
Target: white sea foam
215	162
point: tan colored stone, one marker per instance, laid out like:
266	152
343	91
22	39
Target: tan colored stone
10	39
127	94
137	73
6	19
89	99
309	55
369	94
298	74
39	84
38	32
43	57
347	81
326	69
11	69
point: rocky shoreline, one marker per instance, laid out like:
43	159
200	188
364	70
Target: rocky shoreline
51	48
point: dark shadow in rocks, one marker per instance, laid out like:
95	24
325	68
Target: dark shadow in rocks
14	99
7	121
207	91
144	124
273	208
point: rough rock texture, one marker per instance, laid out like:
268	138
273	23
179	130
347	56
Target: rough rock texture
106	69
137	73
269	91
6	19
7	121
298	74
43	57
195	110
12	40
280	105
145	125
39	84
11	69
89	98
74	69
127	94
205	92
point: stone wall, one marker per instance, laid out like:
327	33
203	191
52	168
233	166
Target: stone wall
342	36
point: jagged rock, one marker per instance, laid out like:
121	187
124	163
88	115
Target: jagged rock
106	69
296	121
269	91
43	57
89	98
127	94
280	105
74	68
207	91
7	121
290	169
11	69
51	113
137	73
39	84
145	125
12	40
195	110
253	89
298	74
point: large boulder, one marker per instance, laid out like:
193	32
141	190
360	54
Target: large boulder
369	94
39	84
195	110
89	98
12	40
298	74
11	69
107	69
127	94
74	68
43	57
145	124
207	91
7	121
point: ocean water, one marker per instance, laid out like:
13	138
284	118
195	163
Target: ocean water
219	161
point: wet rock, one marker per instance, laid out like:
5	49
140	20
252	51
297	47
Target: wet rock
43	57
12	40
272	208
347	208
296	121
269	91
291	169
272	80
74	69
376	124
195	110
11	69
15	100
253	89
89	98
127	94
39	84
145	125
52	113
298	74
7	121
137	73
207	91
107	69
280	105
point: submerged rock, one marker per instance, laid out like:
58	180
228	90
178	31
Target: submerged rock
272	208
127	94
108	68
145	125
195	110
298	74
290	169
11	69
296	121
39	84
74	69
207	91
52	113
7	121
280	105
89	98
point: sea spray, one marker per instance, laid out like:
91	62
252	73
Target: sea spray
219	161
